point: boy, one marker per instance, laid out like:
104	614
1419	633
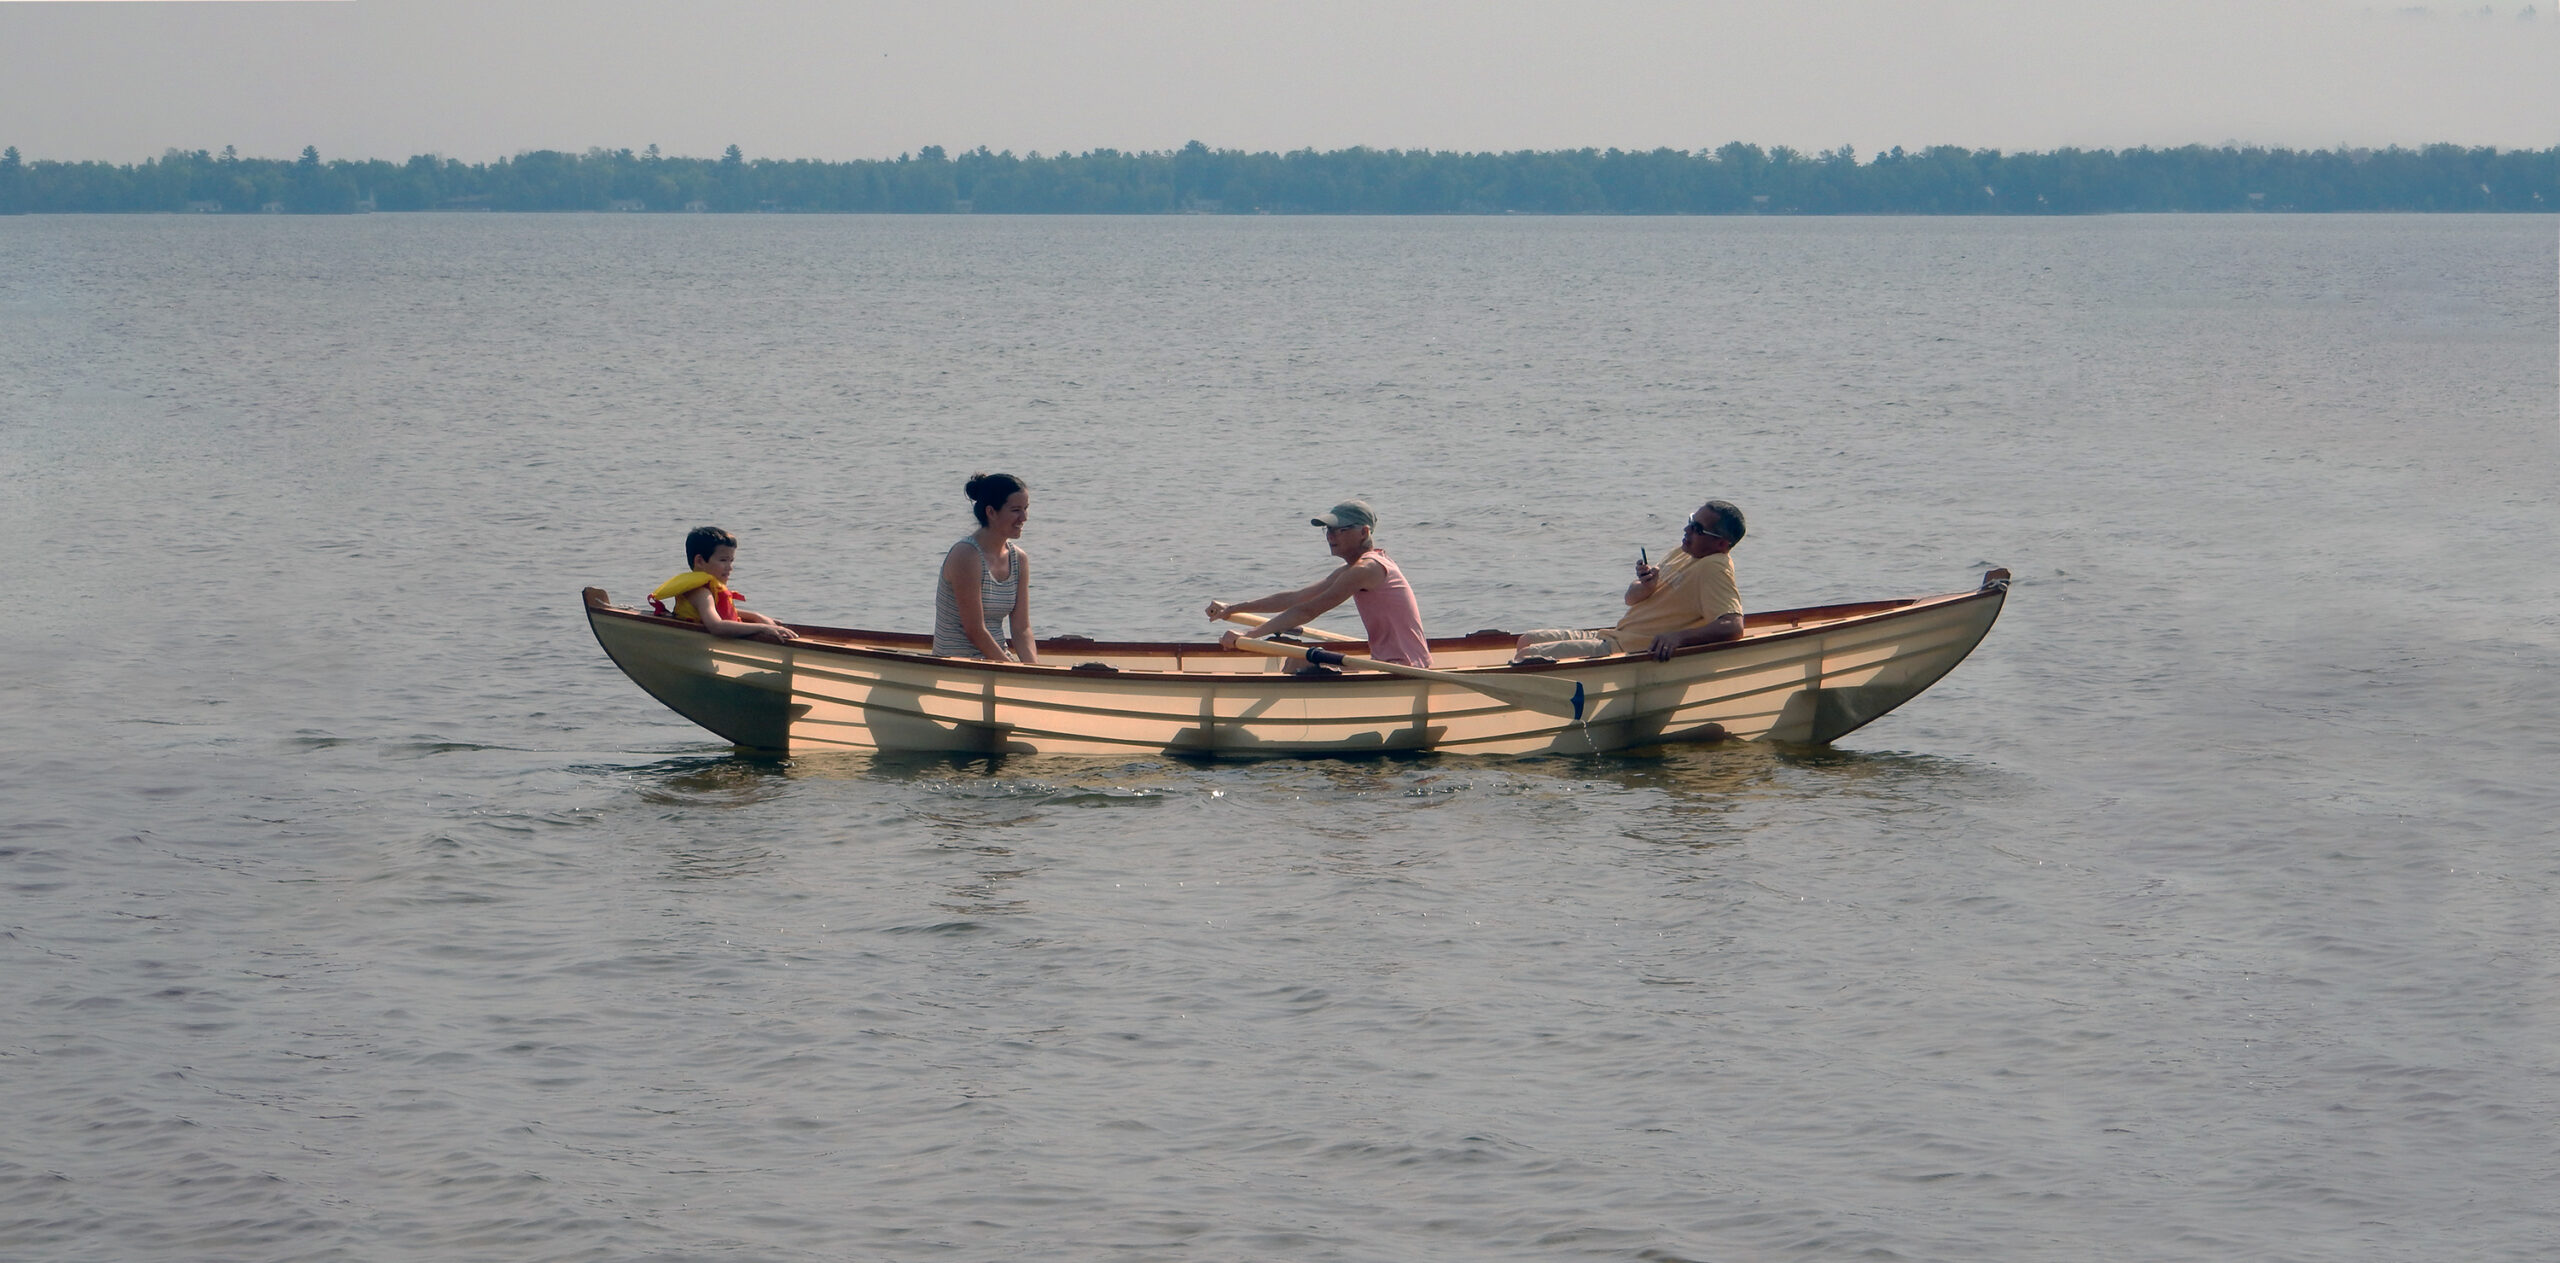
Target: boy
702	593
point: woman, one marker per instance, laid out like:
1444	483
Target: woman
986	579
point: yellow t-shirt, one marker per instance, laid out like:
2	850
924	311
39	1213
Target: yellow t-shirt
1692	592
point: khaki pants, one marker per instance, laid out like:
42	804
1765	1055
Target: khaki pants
1570	642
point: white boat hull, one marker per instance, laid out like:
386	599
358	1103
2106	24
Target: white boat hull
1797	676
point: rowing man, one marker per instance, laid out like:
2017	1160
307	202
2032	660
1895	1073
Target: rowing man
1368	579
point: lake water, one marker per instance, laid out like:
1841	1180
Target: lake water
353	907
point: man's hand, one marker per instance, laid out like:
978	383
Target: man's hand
1219	610
1642	589
1665	645
1227	641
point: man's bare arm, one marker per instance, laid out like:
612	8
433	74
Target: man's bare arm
1727	627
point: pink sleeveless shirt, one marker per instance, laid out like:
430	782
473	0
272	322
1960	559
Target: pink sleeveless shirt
1392	618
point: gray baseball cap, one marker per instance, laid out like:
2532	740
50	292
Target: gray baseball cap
1347	513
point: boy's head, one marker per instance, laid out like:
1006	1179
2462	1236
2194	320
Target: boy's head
702	541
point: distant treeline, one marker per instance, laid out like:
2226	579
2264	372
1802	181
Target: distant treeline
1735	179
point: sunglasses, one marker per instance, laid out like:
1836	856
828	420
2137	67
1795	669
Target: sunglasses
1694	527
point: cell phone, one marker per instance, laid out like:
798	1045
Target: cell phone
1641	559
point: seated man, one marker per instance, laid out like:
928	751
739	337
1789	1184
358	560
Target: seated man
1688	600
1368	578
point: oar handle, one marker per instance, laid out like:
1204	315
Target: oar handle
1535	692
1274	649
1320	656
1311	633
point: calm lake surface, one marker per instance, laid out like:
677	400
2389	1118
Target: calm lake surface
353	907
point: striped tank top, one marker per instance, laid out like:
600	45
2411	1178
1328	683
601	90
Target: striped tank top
995	600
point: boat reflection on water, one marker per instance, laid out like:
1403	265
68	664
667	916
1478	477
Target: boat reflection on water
972	840
732	778
1724	771
1755	768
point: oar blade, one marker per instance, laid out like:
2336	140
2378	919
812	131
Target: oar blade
1549	697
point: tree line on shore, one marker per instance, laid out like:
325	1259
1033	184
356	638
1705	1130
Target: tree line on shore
1732	179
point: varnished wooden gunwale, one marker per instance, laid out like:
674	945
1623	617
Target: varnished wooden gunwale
1757	628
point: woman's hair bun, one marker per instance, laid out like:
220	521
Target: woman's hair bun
990	491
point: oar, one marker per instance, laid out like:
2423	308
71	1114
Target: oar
1534	692
1311	633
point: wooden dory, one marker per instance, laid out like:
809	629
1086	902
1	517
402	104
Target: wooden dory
1802	676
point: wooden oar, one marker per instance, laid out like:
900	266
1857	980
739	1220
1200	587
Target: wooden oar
1311	633
1535	692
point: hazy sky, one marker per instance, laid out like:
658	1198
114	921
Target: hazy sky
848	79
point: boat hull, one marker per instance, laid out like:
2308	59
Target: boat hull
1797	676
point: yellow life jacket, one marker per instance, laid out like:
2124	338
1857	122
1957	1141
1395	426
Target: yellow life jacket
668	602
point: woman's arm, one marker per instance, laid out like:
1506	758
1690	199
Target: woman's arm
1025	649
960	570
738	627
